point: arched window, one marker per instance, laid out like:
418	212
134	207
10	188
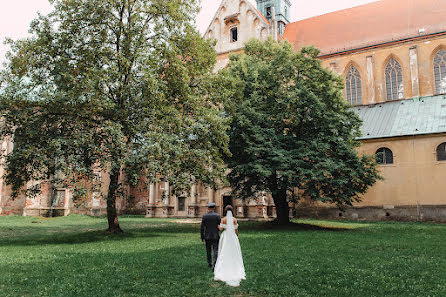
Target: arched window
440	72
384	156
394	80
441	152
353	90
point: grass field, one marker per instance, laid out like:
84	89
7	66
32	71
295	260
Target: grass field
73	256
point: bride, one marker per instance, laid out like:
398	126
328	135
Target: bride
229	267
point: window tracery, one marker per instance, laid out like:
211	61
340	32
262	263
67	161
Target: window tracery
353	89
440	72
394	80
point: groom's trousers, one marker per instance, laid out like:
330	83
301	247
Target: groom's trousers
212	244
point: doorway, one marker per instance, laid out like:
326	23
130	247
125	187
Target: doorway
227	200
181	206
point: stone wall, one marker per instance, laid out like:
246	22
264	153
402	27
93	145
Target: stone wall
422	213
242	16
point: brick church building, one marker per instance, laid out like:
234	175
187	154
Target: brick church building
392	56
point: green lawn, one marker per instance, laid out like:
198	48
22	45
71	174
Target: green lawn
72	256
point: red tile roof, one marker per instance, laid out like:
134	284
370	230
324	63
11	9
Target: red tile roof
370	24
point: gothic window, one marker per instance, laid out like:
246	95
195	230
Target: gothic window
234	34
353	88
440	72
441	152
394	80
210	34
384	156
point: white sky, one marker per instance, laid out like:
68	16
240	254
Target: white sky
16	15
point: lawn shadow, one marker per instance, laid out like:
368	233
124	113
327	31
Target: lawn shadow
292	226
69	238
39	234
272	225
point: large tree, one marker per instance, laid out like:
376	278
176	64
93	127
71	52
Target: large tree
116	86
291	129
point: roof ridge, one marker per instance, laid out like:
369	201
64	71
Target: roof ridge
369	24
337	11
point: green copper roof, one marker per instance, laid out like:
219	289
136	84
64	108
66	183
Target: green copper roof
417	116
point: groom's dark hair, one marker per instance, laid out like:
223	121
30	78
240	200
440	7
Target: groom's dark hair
228	207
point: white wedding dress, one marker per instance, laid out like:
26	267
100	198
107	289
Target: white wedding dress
229	267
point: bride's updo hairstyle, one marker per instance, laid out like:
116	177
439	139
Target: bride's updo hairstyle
228	207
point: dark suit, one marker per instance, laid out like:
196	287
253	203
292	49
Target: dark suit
209	233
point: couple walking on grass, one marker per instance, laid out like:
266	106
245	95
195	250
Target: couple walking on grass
227	261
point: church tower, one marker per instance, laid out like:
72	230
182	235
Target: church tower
276	9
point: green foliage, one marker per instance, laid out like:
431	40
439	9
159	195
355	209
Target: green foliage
113	86
292	128
72	256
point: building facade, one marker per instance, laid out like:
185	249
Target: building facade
392	56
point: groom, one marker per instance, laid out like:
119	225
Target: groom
209	233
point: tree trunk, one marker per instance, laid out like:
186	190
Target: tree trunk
113	224
281	204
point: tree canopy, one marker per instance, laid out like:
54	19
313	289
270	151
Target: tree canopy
116	86
291	128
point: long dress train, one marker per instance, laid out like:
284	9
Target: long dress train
229	267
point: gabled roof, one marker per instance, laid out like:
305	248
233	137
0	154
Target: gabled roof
256	11
418	116
370	24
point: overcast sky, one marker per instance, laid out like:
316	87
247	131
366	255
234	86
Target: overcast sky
15	16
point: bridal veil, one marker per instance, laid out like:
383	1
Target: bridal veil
229	267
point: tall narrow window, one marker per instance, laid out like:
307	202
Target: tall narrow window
181	203
394	80
441	152
234	34
384	156
268	11
353	90
440	72
281	28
